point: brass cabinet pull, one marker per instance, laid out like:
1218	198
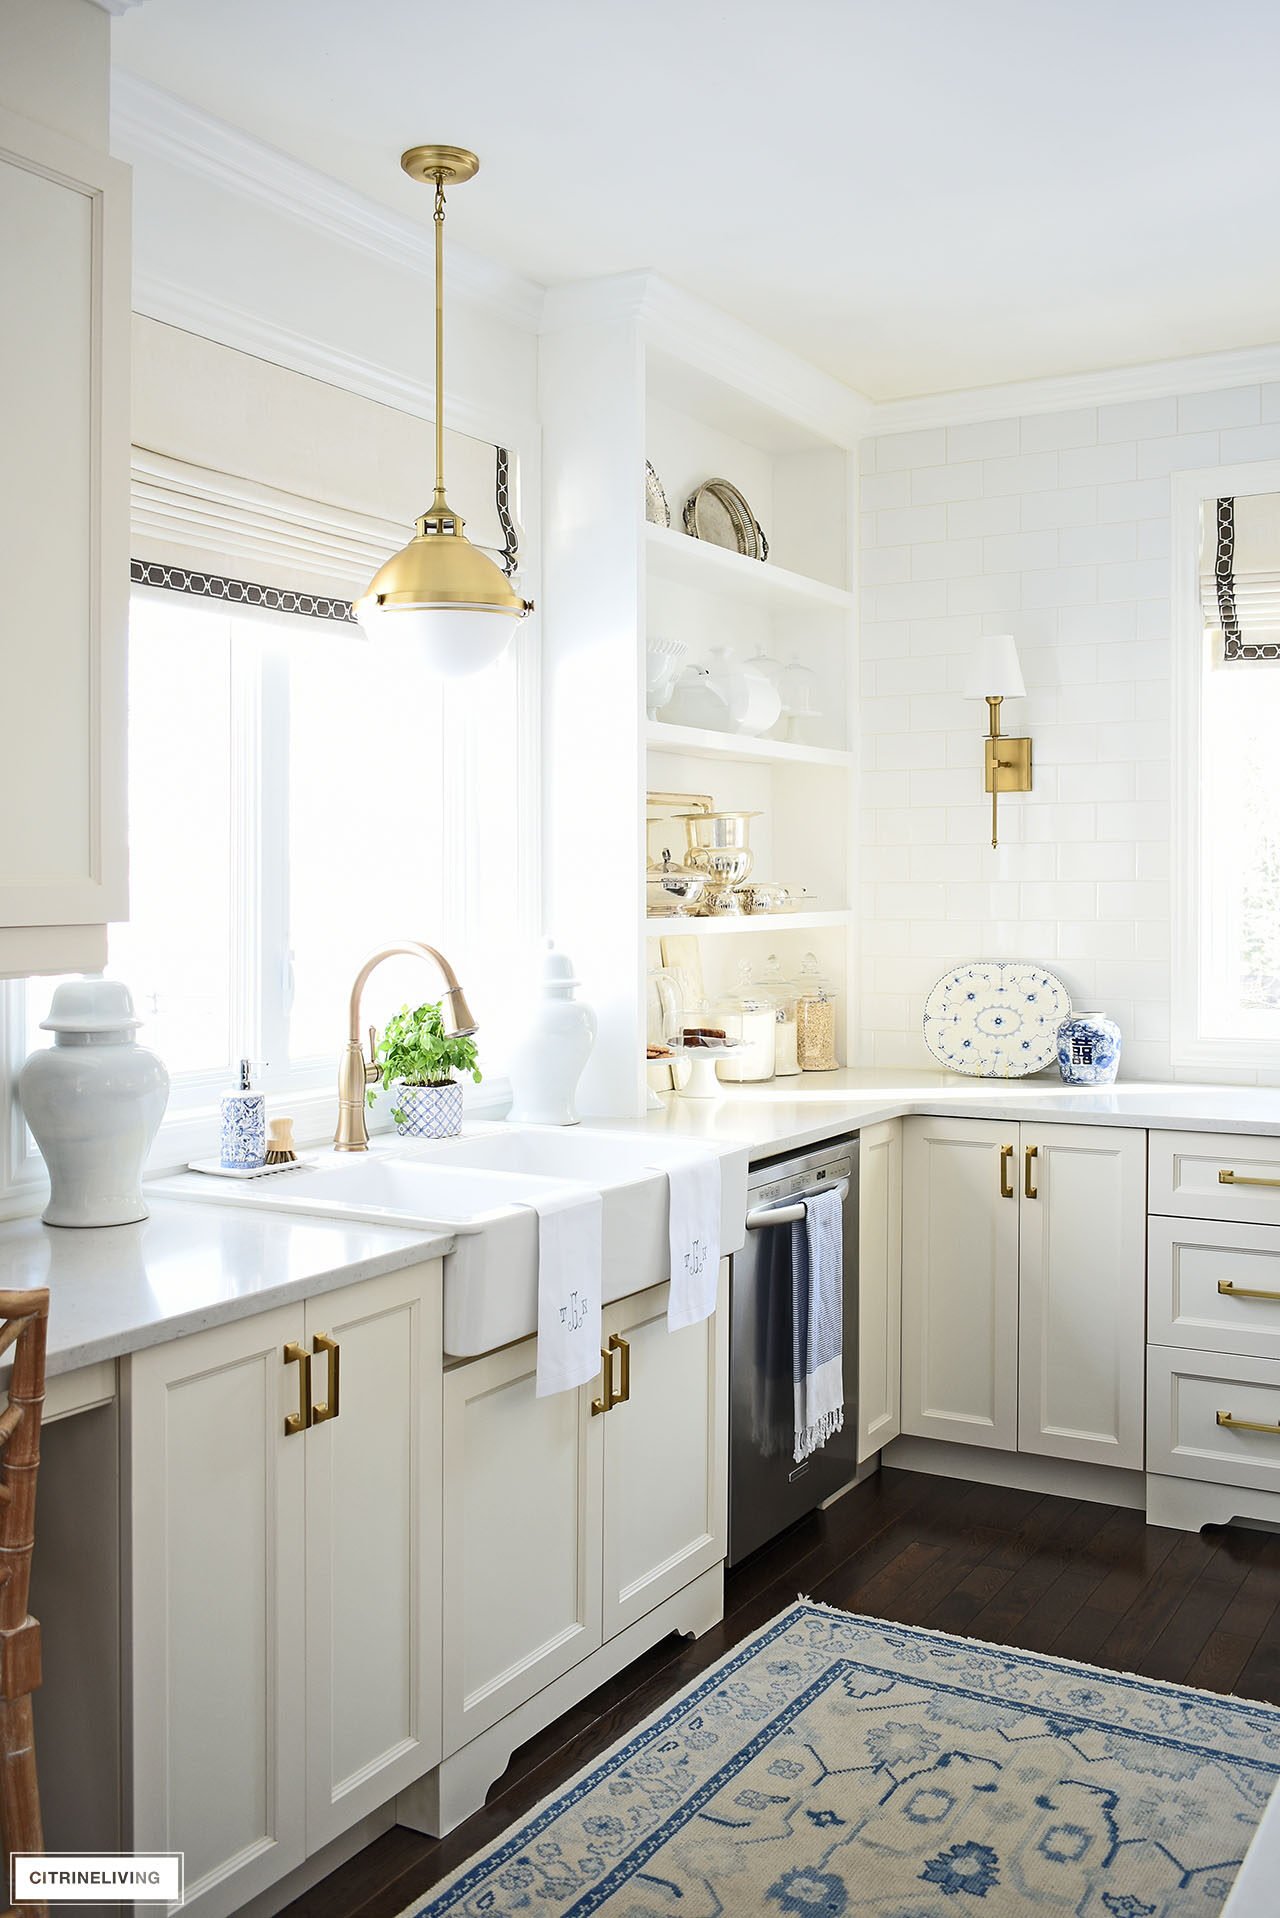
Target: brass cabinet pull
299	1421
605	1404
1006	1183
328	1409
618	1344
1241	1178
1247	1425
1230	1291
1032	1192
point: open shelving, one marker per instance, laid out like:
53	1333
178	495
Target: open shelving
633	371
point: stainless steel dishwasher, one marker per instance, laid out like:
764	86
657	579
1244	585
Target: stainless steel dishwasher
767	1489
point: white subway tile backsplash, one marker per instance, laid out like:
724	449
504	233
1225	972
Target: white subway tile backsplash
899	524
988	439
1067	547
946	559
1098	465
930	483
1063	506
1024	473
1180	453
972	518
994	593
1013	552
1137	419
1044	432
1233	406
895	450
1249	443
879	490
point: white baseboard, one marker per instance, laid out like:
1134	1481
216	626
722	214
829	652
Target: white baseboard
1022	1471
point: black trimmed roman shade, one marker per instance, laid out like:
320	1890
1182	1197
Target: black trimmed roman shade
1240	575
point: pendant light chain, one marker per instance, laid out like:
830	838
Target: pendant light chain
439	224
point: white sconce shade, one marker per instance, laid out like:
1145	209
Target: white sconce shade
994	670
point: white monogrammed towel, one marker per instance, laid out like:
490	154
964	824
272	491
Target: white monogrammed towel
695	1239
570	1260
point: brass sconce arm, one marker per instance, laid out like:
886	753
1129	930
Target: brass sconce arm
1008	762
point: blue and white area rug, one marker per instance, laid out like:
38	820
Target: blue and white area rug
839	1765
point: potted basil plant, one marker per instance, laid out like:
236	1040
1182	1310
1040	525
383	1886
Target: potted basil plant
418	1059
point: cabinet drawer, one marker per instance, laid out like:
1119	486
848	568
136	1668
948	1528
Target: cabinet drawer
1214	1286
1185	1176
1187	1392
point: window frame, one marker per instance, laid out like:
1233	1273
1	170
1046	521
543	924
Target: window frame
1194	1051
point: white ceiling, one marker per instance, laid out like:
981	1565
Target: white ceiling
917	195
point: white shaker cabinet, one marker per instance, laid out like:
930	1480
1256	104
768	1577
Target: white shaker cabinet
570	1517
64	548
960	1281
1082	1305
1024	1253
282	1480
879	1286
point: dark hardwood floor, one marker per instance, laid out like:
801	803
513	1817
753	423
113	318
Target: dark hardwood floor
1059	1575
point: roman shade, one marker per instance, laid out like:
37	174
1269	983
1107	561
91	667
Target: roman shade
262	486
1240	574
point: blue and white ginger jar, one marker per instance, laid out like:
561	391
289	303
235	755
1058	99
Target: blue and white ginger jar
1088	1049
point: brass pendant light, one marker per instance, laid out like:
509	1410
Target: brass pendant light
440	593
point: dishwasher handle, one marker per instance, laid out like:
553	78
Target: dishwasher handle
791	1211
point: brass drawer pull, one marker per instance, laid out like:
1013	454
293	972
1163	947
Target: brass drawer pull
1006	1183
1247	1425
1230	1291
325	1342
298	1421
1032	1192
1241	1178
605	1404
618	1344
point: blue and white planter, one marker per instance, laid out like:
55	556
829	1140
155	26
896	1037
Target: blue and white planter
1088	1049
427	1112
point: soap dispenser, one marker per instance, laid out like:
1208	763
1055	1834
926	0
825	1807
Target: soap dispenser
244	1125
550	1059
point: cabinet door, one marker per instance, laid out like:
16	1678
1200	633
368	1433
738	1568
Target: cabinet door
666	1475
960	1281
373	1546
879	1286
64	574
215	1607
522	1528
1082	1299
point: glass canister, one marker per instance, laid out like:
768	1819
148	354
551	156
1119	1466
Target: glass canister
815	1019
749	1015
783	992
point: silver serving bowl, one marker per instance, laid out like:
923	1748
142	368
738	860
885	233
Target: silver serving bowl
724	865
711	831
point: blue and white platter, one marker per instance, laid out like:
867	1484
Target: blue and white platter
995	1018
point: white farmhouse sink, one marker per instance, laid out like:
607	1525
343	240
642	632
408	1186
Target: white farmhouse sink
480	1188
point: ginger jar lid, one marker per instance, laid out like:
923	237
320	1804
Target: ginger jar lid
91	1005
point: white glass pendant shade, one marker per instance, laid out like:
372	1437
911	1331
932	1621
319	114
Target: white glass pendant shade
453	641
994	669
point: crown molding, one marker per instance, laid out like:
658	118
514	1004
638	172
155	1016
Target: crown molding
174	304
148	123
1156	379
724	348
115	7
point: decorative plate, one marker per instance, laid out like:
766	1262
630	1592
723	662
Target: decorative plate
717	512
656	510
995	1018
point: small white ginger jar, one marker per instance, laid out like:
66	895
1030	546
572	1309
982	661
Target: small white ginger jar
554	1051
93	1101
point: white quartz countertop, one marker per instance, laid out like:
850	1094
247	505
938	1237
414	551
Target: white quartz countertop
116	1289
781	1115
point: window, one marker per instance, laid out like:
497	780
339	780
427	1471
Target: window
297	799
1227	845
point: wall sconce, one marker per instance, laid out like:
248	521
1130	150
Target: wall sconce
994	675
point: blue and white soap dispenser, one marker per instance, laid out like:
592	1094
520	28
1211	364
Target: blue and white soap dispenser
244	1125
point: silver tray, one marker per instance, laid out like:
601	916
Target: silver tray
717	512
656	510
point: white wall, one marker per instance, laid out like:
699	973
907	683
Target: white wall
53	65
1054	527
